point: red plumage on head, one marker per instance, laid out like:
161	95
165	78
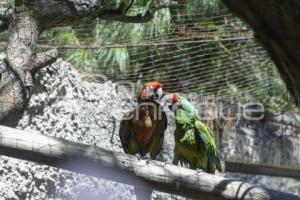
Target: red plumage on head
156	85
175	98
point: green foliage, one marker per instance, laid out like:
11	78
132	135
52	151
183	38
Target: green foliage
114	57
115	60
66	37
204	7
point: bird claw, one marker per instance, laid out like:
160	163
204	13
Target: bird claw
168	162
147	157
199	170
138	156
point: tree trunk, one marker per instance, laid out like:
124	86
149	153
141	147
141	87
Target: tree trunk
127	169
23	35
20	64
277	25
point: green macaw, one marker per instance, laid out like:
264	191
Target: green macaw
142	130
194	141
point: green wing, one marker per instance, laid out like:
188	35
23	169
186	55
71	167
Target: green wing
159	135
126	133
206	138
183	118
188	107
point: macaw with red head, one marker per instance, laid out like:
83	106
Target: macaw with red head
152	91
142	130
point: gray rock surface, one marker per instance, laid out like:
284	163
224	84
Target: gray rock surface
65	106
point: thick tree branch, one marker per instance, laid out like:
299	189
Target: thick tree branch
53	13
68	12
127	169
43	59
117	16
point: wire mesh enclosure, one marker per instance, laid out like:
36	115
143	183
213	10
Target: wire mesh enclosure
198	48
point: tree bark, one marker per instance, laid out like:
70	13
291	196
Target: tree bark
21	63
128	169
277	25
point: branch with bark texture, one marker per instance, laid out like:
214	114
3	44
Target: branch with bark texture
128	169
148	16
53	13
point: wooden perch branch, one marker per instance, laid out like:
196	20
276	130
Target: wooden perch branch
261	169
127	169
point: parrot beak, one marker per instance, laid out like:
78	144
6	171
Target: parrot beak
170	107
167	101
163	101
173	107
175	103
158	95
